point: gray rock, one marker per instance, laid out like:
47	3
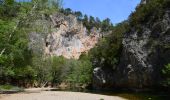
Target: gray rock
142	59
68	37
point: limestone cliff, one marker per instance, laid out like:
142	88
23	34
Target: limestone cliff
68	37
144	54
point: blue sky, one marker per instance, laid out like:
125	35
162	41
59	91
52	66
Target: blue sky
116	10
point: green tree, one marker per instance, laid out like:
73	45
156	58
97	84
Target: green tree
86	22
107	51
67	11
17	63
91	22
8	9
80	71
57	65
166	74
98	23
150	11
79	15
106	25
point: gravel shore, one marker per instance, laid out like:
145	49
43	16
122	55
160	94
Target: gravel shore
57	95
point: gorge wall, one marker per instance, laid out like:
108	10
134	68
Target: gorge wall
143	56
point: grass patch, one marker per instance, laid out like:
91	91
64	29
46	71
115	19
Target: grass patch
10	88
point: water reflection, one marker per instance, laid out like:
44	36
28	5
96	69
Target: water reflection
150	95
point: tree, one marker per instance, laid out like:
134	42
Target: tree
91	22
150	11
67	11
80	71
97	23
79	15
107	51
166	74
106	25
55	3
86	22
58	63
8	8
17	62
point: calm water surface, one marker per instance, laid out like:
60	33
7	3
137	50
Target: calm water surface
126	94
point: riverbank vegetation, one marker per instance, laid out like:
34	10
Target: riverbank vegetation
21	66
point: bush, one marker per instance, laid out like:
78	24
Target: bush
107	51
6	87
58	63
166	74
80	71
56	70
150	11
10	87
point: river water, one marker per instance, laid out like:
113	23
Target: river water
130	95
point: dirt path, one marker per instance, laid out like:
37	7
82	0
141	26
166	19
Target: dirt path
57	95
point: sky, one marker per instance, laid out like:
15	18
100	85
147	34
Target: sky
116	10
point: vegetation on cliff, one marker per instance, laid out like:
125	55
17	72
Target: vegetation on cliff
90	22
15	24
166	74
151	11
108	51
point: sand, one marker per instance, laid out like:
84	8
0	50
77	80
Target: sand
57	95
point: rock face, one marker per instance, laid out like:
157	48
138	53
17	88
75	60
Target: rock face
143	55
69	38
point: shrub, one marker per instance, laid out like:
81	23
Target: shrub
166	73
78	71
107	51
150	11
10	87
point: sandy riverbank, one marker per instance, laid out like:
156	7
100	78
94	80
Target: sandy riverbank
57	95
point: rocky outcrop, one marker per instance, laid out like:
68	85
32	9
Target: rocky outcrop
68	37
144	54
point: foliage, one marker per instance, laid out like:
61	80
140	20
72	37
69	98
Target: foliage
18	64
106	25
90	22
16	22
107	51
150	11
6	87
81	71
10	87
8	9
58	63
59	69
166	74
